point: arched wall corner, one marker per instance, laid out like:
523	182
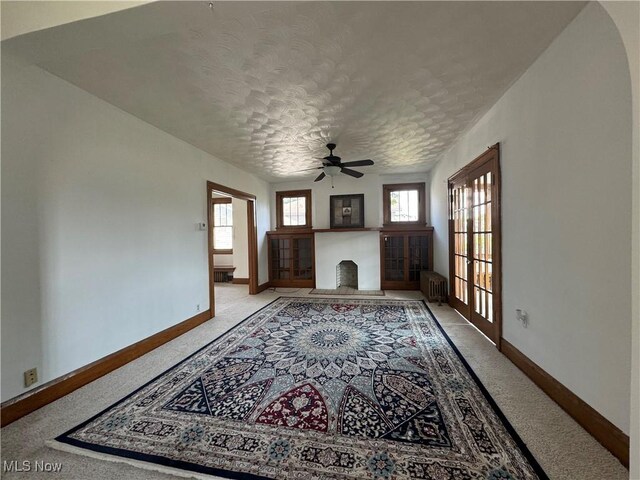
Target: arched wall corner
626	17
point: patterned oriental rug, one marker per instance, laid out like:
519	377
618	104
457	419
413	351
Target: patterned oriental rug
316	388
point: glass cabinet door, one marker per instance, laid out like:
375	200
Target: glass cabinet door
418	256
302	258
403	256
281	258
292	260
394	253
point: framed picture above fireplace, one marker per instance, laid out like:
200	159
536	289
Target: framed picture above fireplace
346	211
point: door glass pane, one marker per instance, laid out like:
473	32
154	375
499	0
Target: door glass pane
281	258
459	213
418	256
302	258
482	247
394	258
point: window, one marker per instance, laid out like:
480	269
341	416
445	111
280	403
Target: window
222	225
403	203
293	209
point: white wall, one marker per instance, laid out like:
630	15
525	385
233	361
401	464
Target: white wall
223	260
240	239
626	16
363	248
565	134
19	17
370	185
99	240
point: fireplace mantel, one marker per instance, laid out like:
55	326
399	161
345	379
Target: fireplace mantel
323	230
326	230
399	228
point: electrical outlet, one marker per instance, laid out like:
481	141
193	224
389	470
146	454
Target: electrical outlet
30	377
197	307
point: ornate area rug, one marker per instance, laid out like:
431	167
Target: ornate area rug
316	388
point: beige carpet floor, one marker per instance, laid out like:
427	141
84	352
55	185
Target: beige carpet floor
562	447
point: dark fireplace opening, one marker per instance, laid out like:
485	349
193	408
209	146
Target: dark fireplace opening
347	274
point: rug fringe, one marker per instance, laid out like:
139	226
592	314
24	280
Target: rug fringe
154	467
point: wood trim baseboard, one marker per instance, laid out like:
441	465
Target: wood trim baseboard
18	407
263	286
610	436
240	281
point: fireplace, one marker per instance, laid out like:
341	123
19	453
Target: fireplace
347	274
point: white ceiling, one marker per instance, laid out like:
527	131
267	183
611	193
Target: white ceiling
20	16
265	85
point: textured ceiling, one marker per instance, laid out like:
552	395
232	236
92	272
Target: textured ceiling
265	85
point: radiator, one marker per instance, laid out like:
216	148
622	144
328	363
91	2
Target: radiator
433	286
221	274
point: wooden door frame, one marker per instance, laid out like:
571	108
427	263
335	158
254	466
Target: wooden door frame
492	154
252	232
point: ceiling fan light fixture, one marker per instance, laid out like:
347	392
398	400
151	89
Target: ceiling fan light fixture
331	170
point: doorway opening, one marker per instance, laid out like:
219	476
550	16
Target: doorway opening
475	282
216	194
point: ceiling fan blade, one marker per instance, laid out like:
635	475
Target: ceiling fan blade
358	163
353	173
320	177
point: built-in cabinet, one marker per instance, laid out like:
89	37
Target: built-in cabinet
403	255
291	259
